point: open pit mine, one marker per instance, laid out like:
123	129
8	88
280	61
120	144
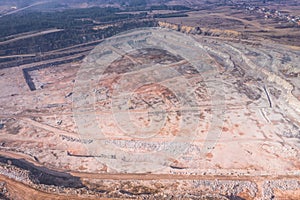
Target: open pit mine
154	114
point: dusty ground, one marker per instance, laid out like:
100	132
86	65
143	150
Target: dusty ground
249	24
231	107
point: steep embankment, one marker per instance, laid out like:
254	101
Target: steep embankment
198	30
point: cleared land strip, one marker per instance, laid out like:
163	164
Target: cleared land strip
31	35
18	56
24	8
43	59
148	176
34	59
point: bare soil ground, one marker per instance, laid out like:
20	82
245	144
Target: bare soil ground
256	155
242	85
251	25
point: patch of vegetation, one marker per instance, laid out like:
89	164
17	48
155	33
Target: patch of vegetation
67	19
169	15
174	7
77	24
